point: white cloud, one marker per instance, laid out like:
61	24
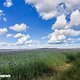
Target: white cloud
73	40
62	46
63	29
2	16
32	42
61	35
48	9
9	35
73	4
44	38
56	38
3	31
23	39
29	44
24	43
19	35
75	16
8	3
1	12
67	32
4	19
60	23
19	27
3	43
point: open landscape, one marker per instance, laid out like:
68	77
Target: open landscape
40	64
39	39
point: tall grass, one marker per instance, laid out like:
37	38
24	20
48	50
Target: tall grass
29	65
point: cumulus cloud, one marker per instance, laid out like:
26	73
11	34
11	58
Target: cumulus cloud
19	35
73	40
30	44
60	23
3	31
54	38
48	9
75	16
61	35
20	44
62	30
23	39
8	3
67	32
73	4
19	27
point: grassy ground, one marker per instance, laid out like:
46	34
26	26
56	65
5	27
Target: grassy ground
44	64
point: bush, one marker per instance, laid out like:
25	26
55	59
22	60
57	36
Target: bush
71	57
74	72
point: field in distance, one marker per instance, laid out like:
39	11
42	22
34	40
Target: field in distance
40	64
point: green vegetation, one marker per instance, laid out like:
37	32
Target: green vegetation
43	64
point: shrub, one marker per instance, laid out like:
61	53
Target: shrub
71	57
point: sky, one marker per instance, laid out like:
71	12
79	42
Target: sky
27	24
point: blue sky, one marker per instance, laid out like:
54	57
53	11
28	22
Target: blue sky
39	23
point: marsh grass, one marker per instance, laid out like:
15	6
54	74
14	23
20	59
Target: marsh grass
39	65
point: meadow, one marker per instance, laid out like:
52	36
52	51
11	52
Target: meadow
41	64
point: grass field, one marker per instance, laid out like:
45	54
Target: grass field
41	64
